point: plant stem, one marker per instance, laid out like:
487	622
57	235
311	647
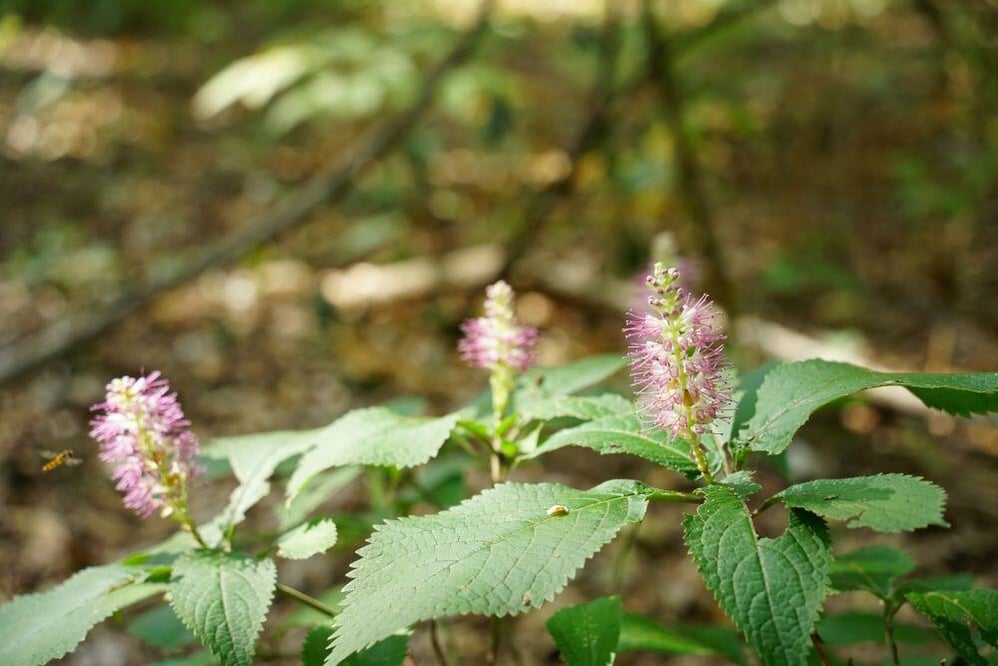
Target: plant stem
192	527
620	563
502	383
695	445
700	456
305	599
463	442
498	473
495	468
889	611
438	648
492	657
675	496
765	505
376	489
819	647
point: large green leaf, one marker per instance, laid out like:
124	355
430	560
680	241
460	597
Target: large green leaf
389	652
160	628
959	582
742	482
623	435
37	628
253	459
308	539
202	658
582	407
956	614
790	392
223	598
884	502
315	649
587	634
546	381
507	550
873	568
639	633
373	436
853	628
539	384
771	588
316	492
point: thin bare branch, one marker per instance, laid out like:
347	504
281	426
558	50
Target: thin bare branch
662	72
604	97
540	204
325	188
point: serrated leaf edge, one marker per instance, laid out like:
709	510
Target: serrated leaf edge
530	605
98	618
259	624
877	379
852	521
813	617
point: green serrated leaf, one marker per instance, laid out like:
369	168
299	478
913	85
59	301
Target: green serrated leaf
884	502
223	598
317	491
373	436
308	539
440	483
159	627
547	381
956	614
771	588
203	658
389	652
37	628
952	583
790	392
874	569
587	634
853	628
742	483
315	649
582	407
507	550
253	459
623	435
746	394
543	382
639	633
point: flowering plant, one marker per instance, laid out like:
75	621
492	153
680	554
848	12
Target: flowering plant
142	430
514	546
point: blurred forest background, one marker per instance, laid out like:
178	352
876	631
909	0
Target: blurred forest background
288	206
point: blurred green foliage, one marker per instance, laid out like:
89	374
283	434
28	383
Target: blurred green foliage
193	18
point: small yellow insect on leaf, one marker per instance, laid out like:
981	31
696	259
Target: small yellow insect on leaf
558	510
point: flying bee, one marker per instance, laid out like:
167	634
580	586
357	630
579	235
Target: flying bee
64	457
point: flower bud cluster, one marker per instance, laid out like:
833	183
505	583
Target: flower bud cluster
676	357
497	339
142	430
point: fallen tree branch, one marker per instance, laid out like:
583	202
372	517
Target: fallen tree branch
662	73
326	187
540	203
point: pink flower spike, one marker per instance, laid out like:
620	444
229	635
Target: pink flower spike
497	339
142	431
677	359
